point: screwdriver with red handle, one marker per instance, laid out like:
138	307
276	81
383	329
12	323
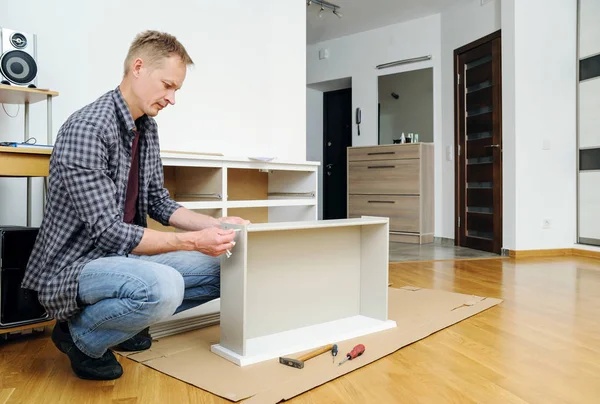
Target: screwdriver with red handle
356	351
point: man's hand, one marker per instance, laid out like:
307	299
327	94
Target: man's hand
233	220
213	241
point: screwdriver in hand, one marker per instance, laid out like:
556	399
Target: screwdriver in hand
356	351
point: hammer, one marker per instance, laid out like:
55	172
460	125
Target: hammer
299	363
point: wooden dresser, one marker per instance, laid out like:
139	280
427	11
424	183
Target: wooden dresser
395	181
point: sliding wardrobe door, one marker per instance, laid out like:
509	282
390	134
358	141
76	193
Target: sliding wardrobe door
589	122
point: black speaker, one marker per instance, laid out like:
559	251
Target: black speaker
18	58
17	306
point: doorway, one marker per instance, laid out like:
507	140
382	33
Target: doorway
478	144
337	137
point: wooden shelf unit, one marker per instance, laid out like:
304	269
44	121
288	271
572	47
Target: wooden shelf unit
394	181
27	162
23	95
259	191
12	94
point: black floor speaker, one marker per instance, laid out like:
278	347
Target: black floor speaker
17	306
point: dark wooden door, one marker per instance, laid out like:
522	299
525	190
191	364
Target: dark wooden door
337	136
478	107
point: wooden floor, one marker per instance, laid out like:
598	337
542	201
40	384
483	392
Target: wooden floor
541	345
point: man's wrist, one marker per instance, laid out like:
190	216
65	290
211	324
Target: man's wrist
180	241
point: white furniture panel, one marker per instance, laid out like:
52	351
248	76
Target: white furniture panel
294	286
205	315
306	277
293	213
589	113
589	205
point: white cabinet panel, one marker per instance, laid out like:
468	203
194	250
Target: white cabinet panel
589	28
589	115
589	204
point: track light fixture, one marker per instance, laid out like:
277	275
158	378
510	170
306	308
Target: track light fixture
324	5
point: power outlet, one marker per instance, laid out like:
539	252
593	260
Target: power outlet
546	224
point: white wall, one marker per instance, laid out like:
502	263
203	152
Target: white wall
314	136
246	96
412	112
461	25
545	62
357	55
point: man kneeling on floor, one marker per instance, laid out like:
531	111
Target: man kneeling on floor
98	270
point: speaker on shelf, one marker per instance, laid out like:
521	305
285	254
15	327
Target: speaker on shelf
18	58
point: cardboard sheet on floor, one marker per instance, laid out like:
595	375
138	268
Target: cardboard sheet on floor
418	313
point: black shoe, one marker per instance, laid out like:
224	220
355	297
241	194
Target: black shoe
139	342
85	367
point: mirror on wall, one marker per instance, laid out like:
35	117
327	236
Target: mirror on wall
406	106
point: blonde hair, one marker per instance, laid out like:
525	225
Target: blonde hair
154	46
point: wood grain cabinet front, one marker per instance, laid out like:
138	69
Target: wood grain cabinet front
394	181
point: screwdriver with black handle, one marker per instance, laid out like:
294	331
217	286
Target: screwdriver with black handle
356	351
334	352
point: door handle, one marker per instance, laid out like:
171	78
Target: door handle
328	166
493	145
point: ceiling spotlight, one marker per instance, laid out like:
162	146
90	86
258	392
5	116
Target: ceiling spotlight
324	4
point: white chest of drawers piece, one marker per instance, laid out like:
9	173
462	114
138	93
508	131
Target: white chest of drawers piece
394	181
294	286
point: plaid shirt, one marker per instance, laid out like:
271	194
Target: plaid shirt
89	170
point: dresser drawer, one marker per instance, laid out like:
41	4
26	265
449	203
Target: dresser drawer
393	152
403	211
387	177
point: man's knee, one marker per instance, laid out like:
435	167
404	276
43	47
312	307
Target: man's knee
165	293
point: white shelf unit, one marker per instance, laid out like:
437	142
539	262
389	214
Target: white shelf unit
278	300
262	192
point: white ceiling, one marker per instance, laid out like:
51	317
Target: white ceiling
364	15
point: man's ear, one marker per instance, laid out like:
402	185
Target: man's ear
136	67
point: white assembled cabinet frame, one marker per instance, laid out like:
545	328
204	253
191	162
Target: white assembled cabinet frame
293	286
257	190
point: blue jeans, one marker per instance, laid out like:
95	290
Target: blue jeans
120	296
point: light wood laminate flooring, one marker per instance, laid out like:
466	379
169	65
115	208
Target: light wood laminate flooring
541	345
